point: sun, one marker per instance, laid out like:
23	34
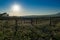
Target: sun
16	8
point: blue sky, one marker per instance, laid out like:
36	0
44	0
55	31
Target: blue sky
33	7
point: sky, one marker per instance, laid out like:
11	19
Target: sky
31	7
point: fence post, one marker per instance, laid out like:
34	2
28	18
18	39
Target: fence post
51	31
51	36
31	21
15	30
50	21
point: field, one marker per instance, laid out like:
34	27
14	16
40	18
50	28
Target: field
30	28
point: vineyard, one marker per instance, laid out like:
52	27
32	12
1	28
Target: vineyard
30	28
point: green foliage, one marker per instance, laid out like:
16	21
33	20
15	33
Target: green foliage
1	33
40	32
57	36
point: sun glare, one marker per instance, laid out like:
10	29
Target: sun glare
15	10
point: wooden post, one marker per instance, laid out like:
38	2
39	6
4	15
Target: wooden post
50	21
15	30
36	20
31	21
51	31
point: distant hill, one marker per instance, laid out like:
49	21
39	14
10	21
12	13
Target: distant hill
54	15
35	16
58	14
3	15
